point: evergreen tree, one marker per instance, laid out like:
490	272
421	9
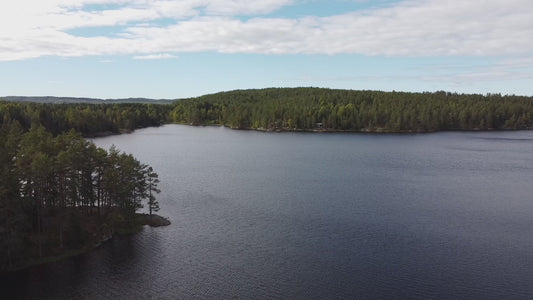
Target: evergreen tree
153	181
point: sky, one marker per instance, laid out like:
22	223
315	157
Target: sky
184	48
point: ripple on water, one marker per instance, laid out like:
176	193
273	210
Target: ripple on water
317	216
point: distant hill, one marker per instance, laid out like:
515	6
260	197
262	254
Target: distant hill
58	100
319	109
282	109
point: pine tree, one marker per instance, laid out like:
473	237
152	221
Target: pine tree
152	179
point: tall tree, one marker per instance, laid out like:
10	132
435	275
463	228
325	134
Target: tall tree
14	224
153	181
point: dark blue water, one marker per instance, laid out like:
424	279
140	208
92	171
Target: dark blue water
317	216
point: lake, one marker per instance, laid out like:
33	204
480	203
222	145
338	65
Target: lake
316	216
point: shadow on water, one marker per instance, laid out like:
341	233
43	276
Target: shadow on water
79	277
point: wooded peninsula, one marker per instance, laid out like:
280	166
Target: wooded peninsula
60	194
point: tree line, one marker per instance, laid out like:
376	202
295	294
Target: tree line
370	111
87	119
290	109
61	192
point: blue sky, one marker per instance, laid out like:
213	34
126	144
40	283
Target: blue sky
183	48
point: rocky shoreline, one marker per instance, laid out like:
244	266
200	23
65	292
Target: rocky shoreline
153	220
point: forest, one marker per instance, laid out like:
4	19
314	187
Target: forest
61	193
319	109
87	119
292	109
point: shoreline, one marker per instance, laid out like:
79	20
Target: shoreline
377	131
140	220
108	133
361	131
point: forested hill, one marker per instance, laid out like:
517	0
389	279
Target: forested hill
348	110
72	100
310	109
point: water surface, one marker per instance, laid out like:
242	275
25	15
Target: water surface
317	216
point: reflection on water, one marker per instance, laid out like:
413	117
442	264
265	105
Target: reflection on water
288	215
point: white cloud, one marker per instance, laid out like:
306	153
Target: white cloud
243	7
34	28
155	56
520	68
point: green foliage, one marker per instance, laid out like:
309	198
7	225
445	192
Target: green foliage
87	119
368	111
289	109
152	182
76	235
50	185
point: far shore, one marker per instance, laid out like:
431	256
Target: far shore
313	130
361	131
107	133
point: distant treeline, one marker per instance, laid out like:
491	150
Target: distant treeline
87	119
290	109
373	111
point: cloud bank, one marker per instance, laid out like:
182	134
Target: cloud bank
155	56
411	28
